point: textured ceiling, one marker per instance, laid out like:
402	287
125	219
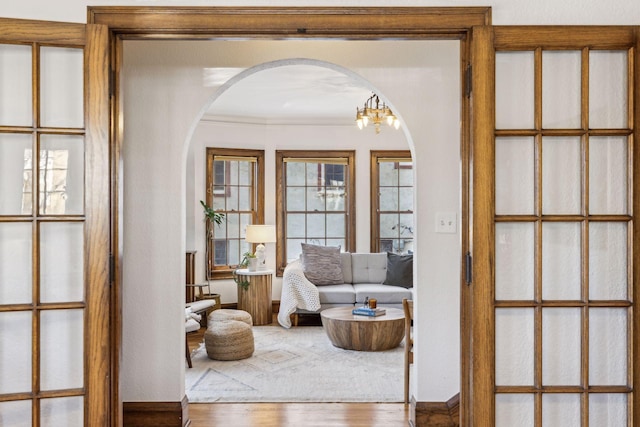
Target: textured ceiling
291	93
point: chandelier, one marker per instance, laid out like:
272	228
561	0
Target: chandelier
376	113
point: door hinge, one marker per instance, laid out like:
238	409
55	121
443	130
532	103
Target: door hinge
468	266
112	83
468	82
112	268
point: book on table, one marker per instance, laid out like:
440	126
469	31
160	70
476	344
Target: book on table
366	311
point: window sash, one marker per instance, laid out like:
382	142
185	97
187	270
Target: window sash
316	222
226	241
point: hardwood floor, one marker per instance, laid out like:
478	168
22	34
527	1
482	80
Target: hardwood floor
295	414
299	414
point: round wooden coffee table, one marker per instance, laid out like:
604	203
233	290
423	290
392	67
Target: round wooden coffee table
362	333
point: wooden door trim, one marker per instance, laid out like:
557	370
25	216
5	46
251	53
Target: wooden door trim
97	336
288	23
482	214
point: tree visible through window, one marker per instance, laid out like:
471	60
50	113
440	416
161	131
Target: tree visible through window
392	203
235	187
315	202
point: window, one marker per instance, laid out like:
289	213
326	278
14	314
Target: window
235	187
391	202
316	201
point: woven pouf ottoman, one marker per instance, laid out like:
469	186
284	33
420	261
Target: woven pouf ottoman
229	340
229	314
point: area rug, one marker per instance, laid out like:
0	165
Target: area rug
297	365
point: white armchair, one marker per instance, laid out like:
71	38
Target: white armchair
192	324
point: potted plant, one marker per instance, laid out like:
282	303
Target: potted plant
211	217
248	260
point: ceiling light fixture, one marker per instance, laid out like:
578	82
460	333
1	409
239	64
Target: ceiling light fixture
376	113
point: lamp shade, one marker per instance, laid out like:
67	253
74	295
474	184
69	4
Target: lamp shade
260	233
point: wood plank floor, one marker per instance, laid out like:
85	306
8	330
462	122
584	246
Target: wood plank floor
295	414
299	414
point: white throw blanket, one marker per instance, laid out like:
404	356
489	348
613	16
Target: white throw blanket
297	292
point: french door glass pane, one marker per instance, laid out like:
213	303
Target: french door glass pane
515	246
563	201
561	346
61	349
15	263
514	410
608	409
61	175
61	261
515	176
561	75
608	172
561	261
15	174
15	348
608	261
514	358
16	413
608	100
608	346
561	410
561	175
62	411
15	85
514	90
61	87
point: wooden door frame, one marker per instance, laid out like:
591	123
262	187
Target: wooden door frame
281	23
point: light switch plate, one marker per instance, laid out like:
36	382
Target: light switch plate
446	222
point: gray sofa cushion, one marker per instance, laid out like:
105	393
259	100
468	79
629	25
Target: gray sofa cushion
338	294
345	260
369	268
385	294
321	264
399	270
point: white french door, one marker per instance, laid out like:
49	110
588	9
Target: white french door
555	269
54	224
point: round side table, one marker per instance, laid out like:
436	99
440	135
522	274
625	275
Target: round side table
256	299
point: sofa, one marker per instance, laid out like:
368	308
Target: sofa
364	275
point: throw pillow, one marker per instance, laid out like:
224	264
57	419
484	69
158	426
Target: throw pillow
321	264
399	270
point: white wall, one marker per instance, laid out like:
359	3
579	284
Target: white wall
154	202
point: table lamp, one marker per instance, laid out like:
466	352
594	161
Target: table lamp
260	234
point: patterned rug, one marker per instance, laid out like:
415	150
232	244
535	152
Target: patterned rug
297	365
